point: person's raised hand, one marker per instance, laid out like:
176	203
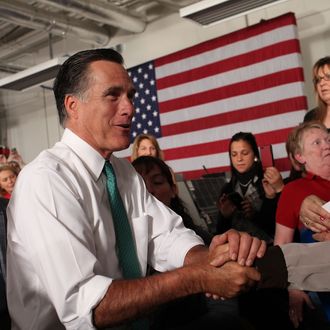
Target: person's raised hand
270	192
3	159
274	178
313	215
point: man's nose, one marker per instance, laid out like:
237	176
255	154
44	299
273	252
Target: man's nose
128	106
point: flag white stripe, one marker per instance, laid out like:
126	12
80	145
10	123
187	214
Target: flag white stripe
235	103
215	160
257	126
261	125
227	51
223	79
279	150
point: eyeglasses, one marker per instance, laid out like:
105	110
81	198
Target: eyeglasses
318	79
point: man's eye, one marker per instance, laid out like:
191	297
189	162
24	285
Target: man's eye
113	94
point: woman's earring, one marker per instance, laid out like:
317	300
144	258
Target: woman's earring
256	159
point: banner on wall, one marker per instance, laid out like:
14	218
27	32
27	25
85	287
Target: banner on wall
194	100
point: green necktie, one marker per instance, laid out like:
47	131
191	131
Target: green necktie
126	250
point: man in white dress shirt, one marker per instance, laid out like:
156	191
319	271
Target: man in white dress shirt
63	271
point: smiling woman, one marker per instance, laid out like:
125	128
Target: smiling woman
309	144
8	177
146	145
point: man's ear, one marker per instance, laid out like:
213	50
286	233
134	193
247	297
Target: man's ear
300	158
71	105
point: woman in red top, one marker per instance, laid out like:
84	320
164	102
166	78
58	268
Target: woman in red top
309	144
8	177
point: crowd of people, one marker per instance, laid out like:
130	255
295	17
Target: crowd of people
96	242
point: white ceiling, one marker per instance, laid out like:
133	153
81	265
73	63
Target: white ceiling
27	26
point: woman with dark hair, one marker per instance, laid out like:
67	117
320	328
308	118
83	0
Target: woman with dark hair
248	203
249	200
195	311
159	181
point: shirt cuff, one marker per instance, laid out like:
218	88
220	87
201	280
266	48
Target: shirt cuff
272	268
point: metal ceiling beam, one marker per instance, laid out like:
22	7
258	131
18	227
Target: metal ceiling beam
101	12
39	19
22	45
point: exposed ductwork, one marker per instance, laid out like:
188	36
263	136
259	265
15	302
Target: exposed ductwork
101	12
209	12
27	25
39	19
22	45
33	76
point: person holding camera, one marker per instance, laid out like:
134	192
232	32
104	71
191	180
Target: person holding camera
248	202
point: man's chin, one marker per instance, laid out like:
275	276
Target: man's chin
122	146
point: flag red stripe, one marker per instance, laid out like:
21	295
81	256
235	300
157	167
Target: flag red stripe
260	111
216	147
282	164
253	30
266	53
244	87
198	173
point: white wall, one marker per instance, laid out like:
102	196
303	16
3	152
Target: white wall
28	120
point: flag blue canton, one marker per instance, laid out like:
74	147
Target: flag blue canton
146	119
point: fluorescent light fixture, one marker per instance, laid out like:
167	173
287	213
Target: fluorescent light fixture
208	12
33	76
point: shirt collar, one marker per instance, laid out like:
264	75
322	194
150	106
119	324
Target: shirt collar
93	161
311	176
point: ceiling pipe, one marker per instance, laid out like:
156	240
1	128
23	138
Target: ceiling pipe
39	19
102	13
170	4
22	45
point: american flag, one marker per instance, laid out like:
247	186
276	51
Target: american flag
194	100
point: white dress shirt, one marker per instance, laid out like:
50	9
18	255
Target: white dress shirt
61	240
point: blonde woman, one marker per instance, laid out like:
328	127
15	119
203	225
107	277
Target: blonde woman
146	145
